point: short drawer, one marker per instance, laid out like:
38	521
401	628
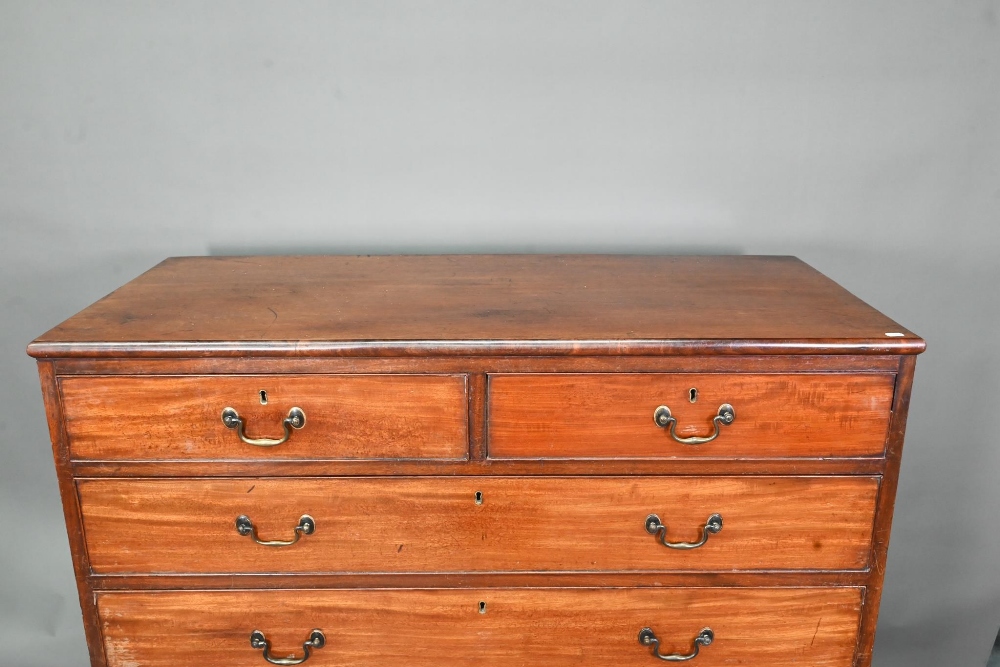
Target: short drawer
485	524
707	415
498	627
149	418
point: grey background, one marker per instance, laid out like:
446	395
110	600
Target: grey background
863	137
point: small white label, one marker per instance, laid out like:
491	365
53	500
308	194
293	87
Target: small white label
894	334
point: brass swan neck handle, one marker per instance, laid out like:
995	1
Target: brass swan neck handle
654	526
663	418
307	526
296	419
648	638
260	642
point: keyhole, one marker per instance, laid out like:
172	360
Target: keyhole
263	397
482	607
479	501
692	394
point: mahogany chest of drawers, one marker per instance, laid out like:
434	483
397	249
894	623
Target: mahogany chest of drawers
478	460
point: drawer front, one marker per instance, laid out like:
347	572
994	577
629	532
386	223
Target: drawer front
346	417
612	415
437	628
516	524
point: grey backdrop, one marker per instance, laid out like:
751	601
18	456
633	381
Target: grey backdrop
862	136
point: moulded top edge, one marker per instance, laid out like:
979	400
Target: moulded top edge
428	348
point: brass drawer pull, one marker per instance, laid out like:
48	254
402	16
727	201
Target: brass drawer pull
655	527
648	638
663	419
244	526
296	419
259	641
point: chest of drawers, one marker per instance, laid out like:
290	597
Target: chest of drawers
478	460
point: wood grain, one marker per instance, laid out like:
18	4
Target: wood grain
531	379
434	525
260	365
886	506
752	579
585	415
347	416
71	512
431	628
489	467
476	304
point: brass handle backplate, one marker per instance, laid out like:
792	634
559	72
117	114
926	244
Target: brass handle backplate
655	527
244	526
664	419
296	419
259	642
648	638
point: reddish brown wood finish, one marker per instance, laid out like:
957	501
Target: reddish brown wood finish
477	416
431	628
479	304
435	525
593	467
255	365
71	511
762	579
464	319
886	505
601	416
347	416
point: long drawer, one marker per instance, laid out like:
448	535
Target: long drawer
238	417
497	627
465	524
683	415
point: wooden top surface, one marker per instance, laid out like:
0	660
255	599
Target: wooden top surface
476	304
